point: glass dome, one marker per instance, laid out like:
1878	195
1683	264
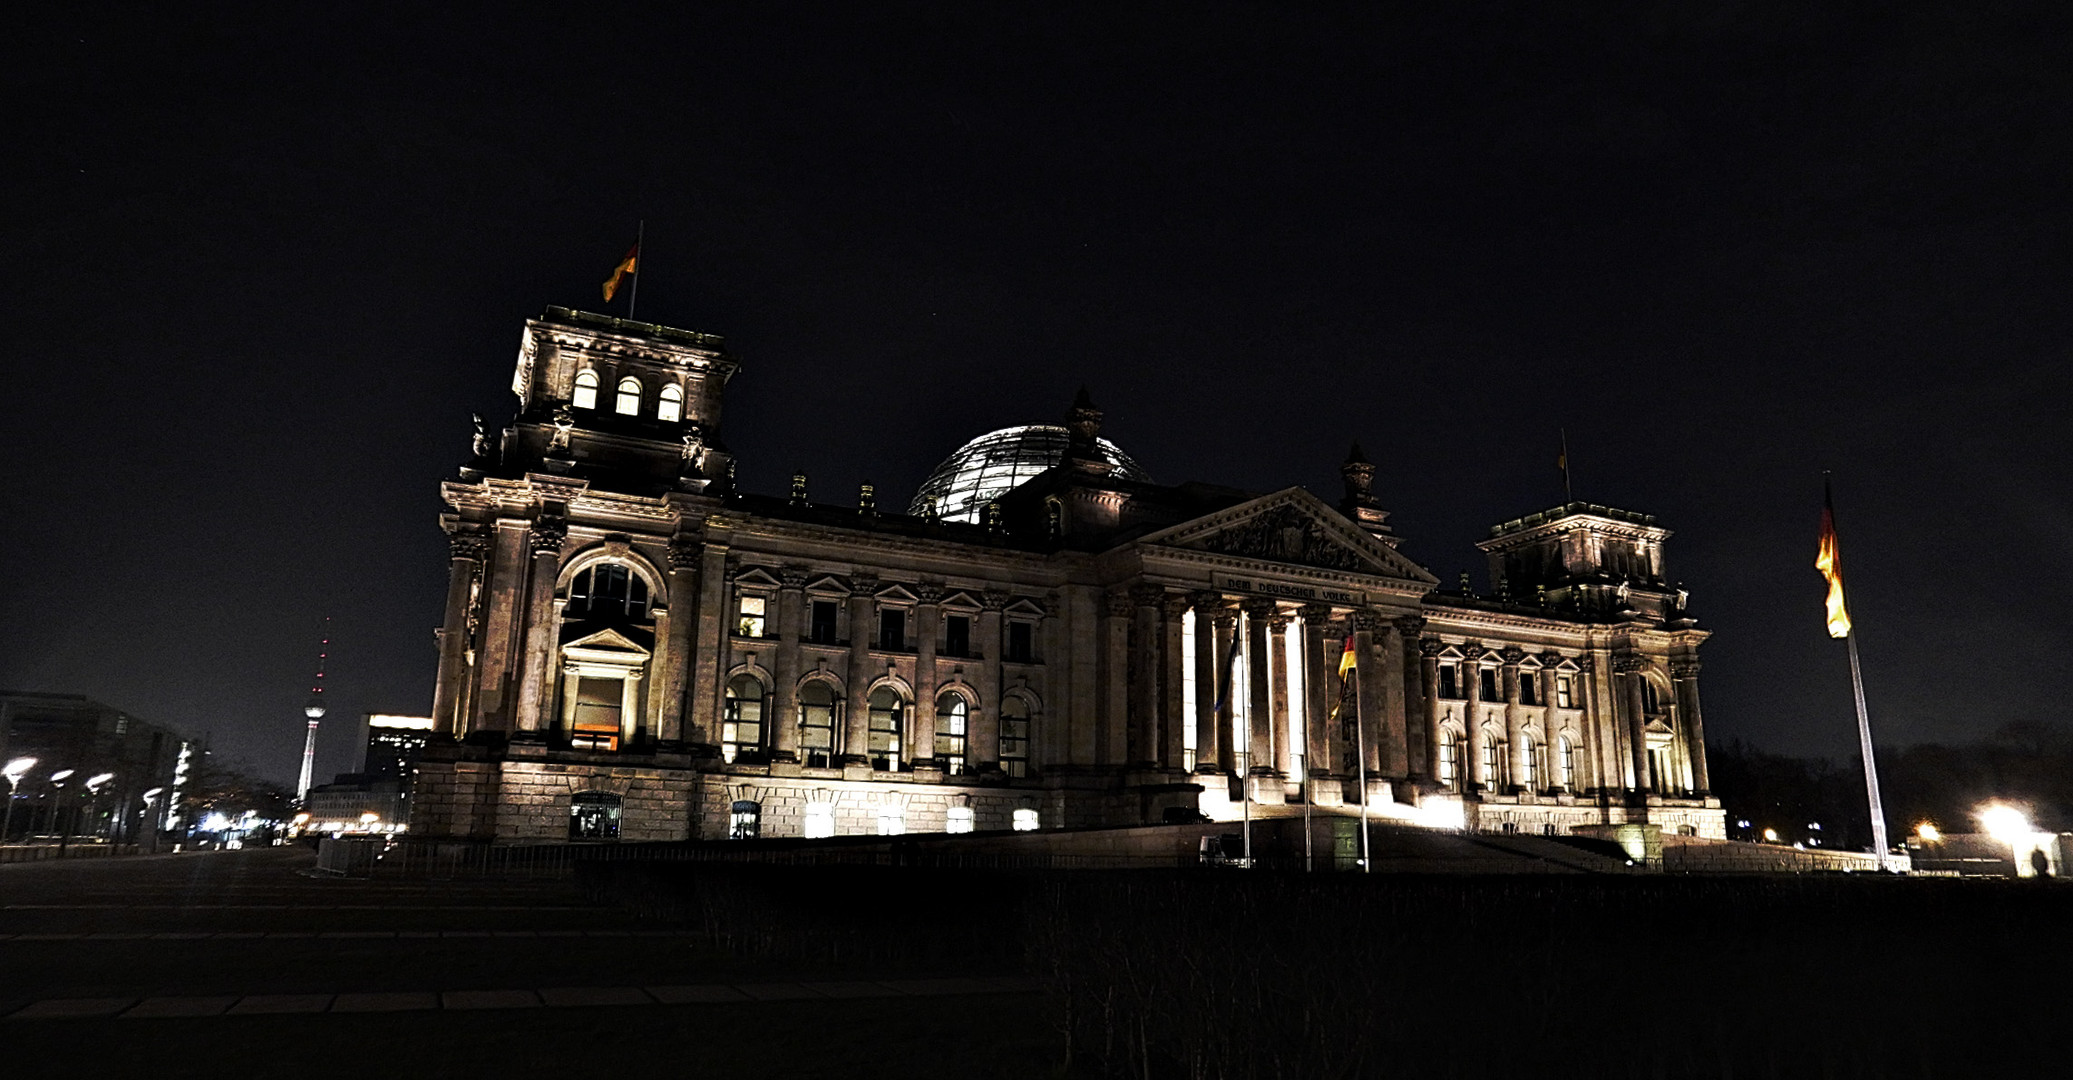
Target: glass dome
994	463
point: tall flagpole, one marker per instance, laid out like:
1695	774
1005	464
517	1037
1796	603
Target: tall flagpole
1360	748
640	237
1309	863
1568	496
1864	747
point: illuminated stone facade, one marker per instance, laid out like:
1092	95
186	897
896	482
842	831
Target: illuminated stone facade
634	649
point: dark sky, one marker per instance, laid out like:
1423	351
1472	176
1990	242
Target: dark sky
259	266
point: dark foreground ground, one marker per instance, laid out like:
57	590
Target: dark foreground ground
238	964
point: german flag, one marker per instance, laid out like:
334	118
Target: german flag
1829	561
1349	663
620	273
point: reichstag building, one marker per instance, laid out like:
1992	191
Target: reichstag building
634	649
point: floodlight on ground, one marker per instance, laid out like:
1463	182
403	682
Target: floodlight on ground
2005	823
1929	832
1770	836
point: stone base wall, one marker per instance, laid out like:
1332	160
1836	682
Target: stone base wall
859	806
533	800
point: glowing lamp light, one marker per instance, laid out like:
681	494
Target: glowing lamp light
369	819
1770	836
1929	832
60	775
17	769
215	823
2005	823
94	783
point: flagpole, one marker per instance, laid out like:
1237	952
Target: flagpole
1360	747
1864	747
640	236
1568	496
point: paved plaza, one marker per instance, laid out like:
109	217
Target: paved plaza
202	963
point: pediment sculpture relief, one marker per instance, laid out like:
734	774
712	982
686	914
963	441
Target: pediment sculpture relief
1285	534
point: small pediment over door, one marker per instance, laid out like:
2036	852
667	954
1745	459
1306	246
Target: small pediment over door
1296	528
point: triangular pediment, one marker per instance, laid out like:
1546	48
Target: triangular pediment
1292	527
756	577
608	640
897	594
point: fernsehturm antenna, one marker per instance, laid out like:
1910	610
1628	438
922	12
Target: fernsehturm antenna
315	711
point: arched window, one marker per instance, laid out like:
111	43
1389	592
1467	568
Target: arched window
741	727
952	714
1493	761
608	591
585	396
1565	762
1014	736
1650	701
817	724
594	815
671	407
1529	762
745	820
629	403
886	722
1449	765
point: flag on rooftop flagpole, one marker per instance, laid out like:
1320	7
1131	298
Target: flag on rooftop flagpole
625	269
1829	561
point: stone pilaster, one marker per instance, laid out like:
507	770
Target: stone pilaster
1173	718
856	727
1685	675
1226	718
1514	712
928	627
1142	674
1209	755
1394	724
1286	752
1416	689
678	663
1429	650
549	532
1112	730
466	549
1259	685
1372	692
984	749
784	709
1320	732
1628	668
1475	768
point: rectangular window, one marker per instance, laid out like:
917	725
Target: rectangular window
892	628
1489	685
753	609
1014	738
1564	696
958	819
820	821
1529	688
822	629
957	635
1450	681
598	702
1021	643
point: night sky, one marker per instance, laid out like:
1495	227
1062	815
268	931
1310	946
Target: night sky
260	266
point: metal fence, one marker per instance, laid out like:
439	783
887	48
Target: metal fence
21	853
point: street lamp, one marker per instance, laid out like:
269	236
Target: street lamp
14	772
57	797
146	821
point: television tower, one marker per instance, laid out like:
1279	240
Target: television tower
314	709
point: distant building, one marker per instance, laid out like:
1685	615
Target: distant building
356	802
634	649
71	731
393	746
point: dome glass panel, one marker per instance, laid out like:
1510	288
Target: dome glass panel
999	461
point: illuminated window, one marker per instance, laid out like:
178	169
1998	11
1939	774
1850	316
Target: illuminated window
585	396
957	635
1449	766
1021	643
671	407
598	706
817	724
1529	762
741	726
820	821
594	815
1565	762
892	821
749	622
951	716
608	591
885	724
629	402
958	819
1564	693
1026	820
1014	737
745	820
1493	757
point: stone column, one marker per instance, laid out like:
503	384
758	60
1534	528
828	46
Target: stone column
1174	721
1285	750
1209	752
928	626
1601	719
1226	719
679	662
1366	624
1429	650
856	720
1394	753
1417	689
1685	675
1142	675
1628	667
1514	714
1478	777
548	534
466	550
984	750
1320	732
570	682
1112	729
784	711
1259	686
633	732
